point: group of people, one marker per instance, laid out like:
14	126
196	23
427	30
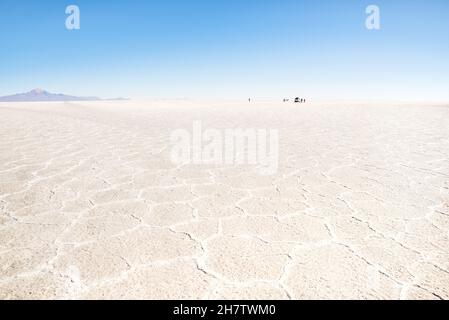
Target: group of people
297	100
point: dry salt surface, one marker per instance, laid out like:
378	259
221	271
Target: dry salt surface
91	206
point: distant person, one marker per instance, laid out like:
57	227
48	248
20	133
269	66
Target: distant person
249	99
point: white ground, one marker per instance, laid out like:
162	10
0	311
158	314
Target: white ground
91	206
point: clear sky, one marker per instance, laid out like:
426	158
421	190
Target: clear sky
227	48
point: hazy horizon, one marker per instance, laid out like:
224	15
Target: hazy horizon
228	49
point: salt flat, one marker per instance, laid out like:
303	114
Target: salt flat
92	207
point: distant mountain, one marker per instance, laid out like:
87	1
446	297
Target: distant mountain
42	95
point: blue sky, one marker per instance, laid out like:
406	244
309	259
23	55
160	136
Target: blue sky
227	48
